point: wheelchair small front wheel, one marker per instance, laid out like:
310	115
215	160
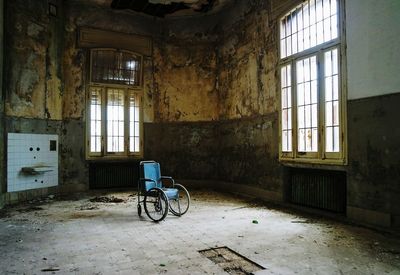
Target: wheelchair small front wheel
156	204
139	210
180	205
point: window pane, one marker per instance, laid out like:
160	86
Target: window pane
332	107
109	66
95	119
307	108
137	144
134	129
284	141
307	93
284	98
314	146
334	26
328	88
301	140
328	113
286	107
115	120
308	116
314	115
336	139
335	112
314	92
309	24
284	119
329	139
300	117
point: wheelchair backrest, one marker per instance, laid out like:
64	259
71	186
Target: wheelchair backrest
150	170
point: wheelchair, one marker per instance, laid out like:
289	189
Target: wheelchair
158	200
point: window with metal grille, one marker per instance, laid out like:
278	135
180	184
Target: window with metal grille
114	111
312	108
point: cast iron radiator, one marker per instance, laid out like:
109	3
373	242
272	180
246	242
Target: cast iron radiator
318	188
109	175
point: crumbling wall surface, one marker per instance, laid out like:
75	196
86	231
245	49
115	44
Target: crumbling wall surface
185	64
248	101
32	64
248	152
185	82
186	150
183	137
74	170
248	58
374	155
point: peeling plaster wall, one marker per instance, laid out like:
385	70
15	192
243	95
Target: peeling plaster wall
185	63
33	69
248	100
247	63
184	135
185	82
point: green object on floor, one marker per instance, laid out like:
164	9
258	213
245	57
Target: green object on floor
255	221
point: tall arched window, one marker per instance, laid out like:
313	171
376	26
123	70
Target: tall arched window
114	104
312	95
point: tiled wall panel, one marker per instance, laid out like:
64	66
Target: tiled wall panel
32	161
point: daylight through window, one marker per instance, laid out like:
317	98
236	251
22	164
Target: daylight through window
114	127
311	94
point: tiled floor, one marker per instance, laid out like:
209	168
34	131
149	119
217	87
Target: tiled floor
75	236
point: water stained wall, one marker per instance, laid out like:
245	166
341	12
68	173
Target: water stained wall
34	49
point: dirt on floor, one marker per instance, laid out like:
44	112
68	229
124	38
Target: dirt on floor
267	234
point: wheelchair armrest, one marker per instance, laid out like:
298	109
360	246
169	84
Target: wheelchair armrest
168	178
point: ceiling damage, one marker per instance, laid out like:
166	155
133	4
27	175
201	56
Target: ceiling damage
162	8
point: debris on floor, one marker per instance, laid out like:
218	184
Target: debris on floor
62	236
88	206
106	199
30	209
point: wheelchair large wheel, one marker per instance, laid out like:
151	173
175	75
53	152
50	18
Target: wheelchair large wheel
180	205
156	204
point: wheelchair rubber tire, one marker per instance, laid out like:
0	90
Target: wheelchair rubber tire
156	204
139	210
181	207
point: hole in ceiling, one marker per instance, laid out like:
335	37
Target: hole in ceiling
161	8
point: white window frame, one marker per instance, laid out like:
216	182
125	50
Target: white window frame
135	89
321	156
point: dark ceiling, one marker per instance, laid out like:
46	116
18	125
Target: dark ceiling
161	10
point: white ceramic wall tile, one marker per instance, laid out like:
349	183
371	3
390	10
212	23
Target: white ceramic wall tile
31	150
